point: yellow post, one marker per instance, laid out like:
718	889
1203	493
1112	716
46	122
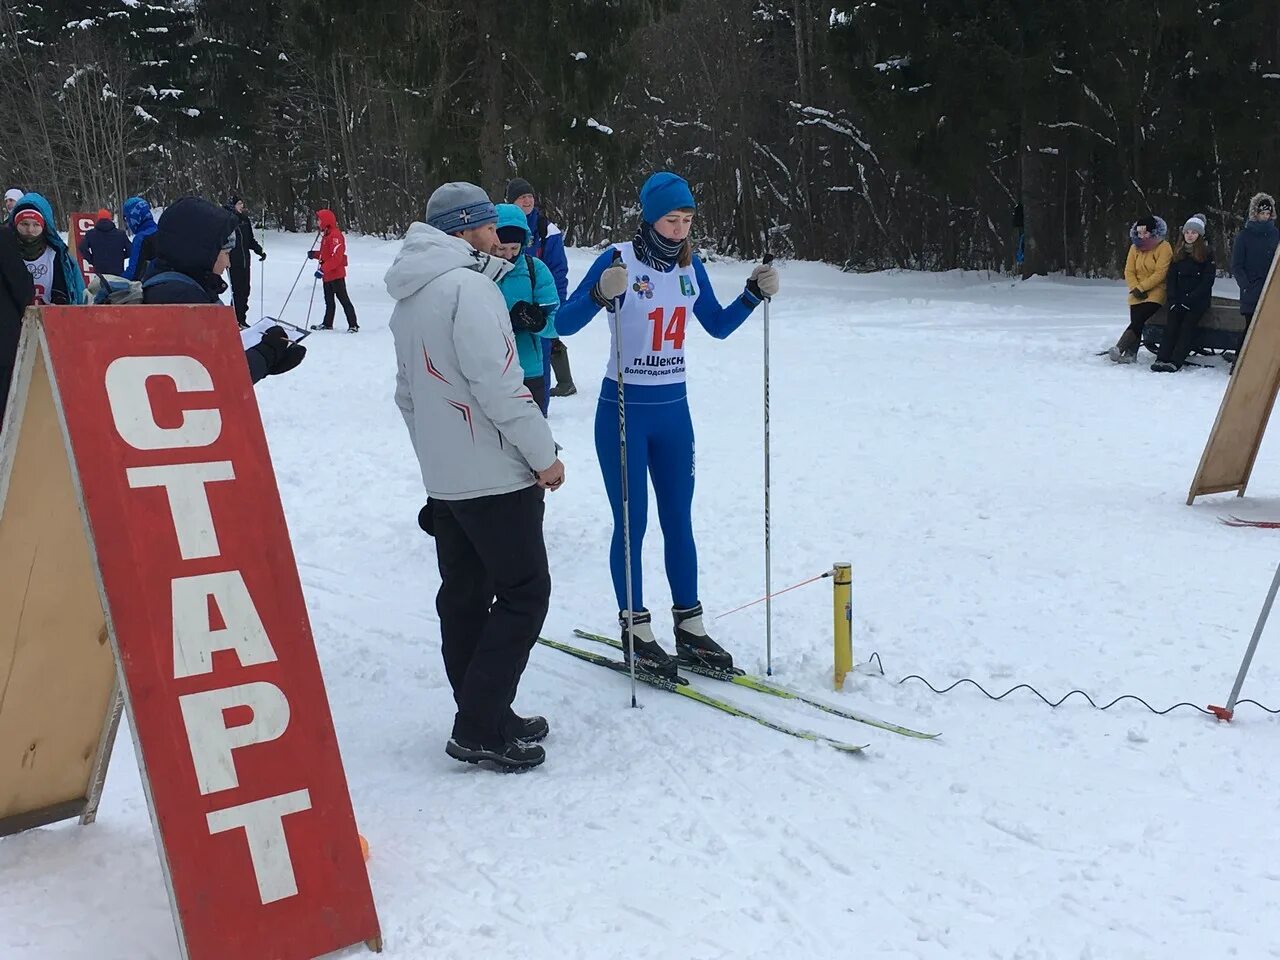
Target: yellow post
842	615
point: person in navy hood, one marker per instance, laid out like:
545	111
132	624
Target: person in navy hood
138	218
194	242
105	246
1255	248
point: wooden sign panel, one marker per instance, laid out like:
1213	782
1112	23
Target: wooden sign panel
1228	457
58	702
204	609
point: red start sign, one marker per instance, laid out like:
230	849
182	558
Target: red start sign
197	574
82	223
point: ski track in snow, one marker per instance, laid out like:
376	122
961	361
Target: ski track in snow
1013	509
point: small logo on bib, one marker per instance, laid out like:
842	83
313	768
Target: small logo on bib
686	286
644	287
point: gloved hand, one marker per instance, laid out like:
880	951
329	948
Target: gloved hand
763	282
262	255
313	254
280	353
611	285
319	274
426	521
1139	294
527	318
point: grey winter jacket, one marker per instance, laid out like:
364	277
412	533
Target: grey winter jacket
472	421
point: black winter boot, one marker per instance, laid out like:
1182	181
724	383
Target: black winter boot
650	656
528	729
693	645
560	367
512	755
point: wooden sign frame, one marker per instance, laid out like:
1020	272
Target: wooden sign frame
1232	448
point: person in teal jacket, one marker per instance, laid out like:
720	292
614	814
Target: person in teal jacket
531	295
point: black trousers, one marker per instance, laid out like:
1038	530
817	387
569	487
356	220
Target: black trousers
240	290
538	387
1179	332
338	288
495	589
1139	314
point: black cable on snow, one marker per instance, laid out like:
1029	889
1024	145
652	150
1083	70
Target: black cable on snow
879	664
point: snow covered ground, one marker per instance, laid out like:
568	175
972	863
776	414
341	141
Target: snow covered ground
1013	508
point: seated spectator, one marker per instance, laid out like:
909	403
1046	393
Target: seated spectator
1189	294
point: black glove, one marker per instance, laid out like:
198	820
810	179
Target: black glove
426	520
313	254
527	318
281	354
262	255
319	274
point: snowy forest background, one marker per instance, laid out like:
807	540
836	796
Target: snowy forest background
869	134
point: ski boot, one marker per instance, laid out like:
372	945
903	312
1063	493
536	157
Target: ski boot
650	657
692	643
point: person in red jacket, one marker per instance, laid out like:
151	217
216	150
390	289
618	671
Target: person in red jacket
333	270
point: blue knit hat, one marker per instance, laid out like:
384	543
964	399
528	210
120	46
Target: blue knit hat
662	193
459	206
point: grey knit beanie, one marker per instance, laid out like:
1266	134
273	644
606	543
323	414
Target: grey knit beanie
1195	223
459	206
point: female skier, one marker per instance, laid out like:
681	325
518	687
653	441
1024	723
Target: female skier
658	280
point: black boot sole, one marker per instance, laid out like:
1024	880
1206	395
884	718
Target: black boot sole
481	755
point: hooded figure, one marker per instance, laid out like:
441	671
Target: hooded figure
1255	248
486	453
141	223
333	271
16	291
105	246
193	244
53	270
532	300
11	197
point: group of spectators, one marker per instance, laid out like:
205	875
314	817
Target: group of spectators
1178	278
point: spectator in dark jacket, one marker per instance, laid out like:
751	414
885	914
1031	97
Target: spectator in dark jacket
194	244
1255	248
240	272
16	291
138	218
546	242
1189	289
105	246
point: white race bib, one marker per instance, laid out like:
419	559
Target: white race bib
655	313
41	270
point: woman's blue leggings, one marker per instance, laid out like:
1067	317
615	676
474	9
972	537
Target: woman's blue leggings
659	447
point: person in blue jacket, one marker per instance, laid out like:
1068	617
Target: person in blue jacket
658	280
546	242
532	299
142	224
53	269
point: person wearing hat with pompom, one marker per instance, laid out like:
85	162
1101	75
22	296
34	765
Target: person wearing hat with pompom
487	458
1189	292
658	281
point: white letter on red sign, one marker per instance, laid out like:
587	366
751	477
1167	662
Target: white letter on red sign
212	741
131	407
188	501
195	640
263	822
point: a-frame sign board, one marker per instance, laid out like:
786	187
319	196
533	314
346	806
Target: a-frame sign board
144	560
1233	445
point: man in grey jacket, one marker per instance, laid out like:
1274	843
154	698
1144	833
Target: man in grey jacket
487	455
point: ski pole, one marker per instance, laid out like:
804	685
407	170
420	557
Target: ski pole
1227	712
299	277
626	492
768	539
312	301
262	284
